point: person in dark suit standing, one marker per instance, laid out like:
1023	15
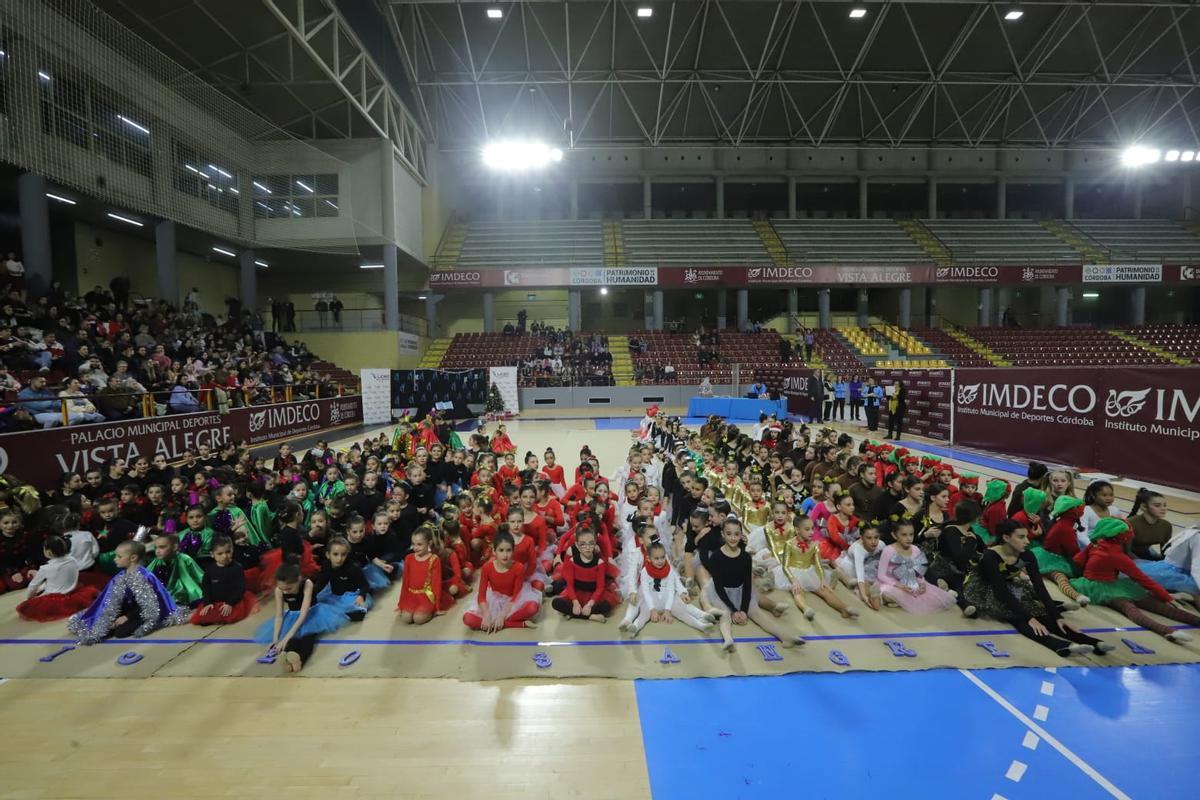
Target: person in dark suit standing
897	408
816	396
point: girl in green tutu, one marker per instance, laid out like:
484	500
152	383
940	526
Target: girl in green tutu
1110	577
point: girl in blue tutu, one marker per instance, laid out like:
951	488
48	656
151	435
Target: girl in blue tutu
365	552
341	583
299	619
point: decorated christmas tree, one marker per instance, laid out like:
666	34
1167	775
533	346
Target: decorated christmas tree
495	403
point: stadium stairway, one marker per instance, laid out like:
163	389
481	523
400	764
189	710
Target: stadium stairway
771	241
432	357
622	364
979	347
1161	352
614	246
930	243
863	344
1089	252
450	247
903	341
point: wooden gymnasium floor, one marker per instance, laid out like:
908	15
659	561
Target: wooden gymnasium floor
76	732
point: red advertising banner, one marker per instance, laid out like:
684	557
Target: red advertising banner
792	385
790	275
1139	422
41	457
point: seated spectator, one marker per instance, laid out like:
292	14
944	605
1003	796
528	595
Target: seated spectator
8	383
114	402
182	401
41	403
79	409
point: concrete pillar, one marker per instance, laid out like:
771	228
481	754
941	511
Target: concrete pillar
1189	213
1068	197
573	192
1062	306
791	190
862	197
387	192
1003	301
931	197
931	309
647	198
720	197
793	309
574	309
905	320
489	312
391	288
35	234
166	266
648	310
1137	312
1001	197
248	282
824	315
985	306
722	310
743	308
431	316
1138	191
863	308
658	309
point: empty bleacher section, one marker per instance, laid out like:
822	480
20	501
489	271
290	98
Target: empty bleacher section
1180	341
1051	347
687	242
1151	240
836	355
691	363
848	241
997	241
550	243
538	362
952	349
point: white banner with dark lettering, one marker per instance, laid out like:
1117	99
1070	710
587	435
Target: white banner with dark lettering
376	396
505	379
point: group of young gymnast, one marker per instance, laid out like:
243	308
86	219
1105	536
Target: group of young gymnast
695	526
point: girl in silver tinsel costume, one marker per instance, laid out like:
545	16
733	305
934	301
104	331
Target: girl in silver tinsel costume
134	602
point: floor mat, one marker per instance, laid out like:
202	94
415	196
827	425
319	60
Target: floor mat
381	646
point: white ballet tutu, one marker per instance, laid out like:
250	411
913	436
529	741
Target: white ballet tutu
496	600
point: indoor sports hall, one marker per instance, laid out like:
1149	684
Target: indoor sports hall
601	399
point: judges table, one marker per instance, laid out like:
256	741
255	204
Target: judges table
736	407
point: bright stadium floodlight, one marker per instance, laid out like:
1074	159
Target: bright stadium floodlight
494	13
857	13
1187	155
1139	156
514	155
1013	14
645	12
1172	155
603	290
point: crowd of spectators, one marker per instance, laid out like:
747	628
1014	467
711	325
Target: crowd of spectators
112	356
565	358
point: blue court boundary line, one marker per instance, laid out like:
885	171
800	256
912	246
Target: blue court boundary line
596	643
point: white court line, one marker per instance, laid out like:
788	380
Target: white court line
1052	670
1048	688
1030	742
1016	771
1084	767
1040	713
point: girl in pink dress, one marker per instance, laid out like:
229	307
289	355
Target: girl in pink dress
902	575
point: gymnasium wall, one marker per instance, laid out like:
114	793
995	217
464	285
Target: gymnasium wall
101	255
355	350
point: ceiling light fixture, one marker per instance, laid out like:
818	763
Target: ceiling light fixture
645	12
1172	155
43	75
514	155
857	13
1187	155
494	13
60	198
370	266
422	297
1139	155
126	220
260	186
220	171
135	125
1090	295
1014	14
305	187
262	264
224	252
